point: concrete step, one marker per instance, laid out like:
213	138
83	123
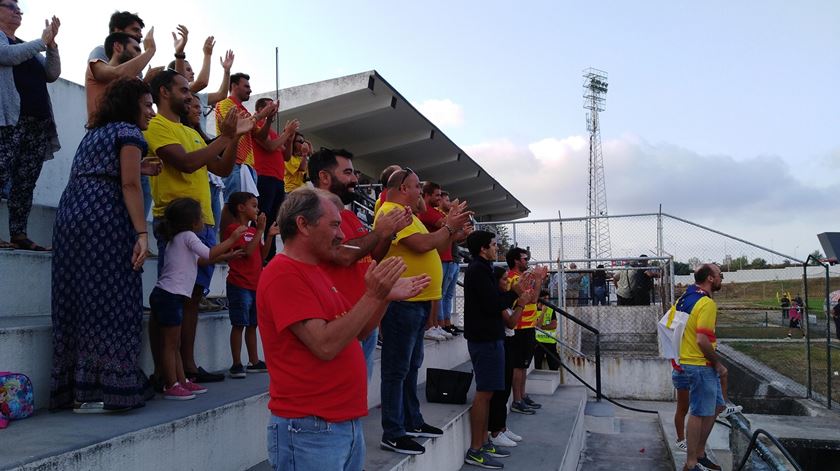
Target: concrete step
542	382
233	413
223	429
26	287
635	443
26	347
624	376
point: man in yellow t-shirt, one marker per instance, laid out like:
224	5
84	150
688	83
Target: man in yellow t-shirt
186	159
701	363
404	322
297	165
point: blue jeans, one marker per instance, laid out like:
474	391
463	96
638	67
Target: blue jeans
704	392
601	295
402	356
147	195
368	347
233	182
216	206
311	443
450	279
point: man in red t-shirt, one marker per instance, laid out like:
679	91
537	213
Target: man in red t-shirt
332	170
270	157
309	334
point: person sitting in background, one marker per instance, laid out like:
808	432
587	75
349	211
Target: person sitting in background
28	135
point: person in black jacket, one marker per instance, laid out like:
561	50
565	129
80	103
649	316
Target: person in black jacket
484	329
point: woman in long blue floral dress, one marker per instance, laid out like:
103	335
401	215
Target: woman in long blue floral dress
100	243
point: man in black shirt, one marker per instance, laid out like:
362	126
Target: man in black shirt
484	330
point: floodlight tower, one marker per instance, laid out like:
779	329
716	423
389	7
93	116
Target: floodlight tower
598	227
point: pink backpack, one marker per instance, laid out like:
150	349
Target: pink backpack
16	397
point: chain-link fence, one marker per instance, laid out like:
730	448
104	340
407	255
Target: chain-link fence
763	317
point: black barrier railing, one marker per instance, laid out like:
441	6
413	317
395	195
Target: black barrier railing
741	425
558	310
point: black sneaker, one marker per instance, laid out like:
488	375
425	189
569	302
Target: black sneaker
452	330
530	403
237	371
707	463
203	376
521	408
258	367
404	445
457	329
425	430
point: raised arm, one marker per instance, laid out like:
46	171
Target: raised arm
104	72
221	93
203	78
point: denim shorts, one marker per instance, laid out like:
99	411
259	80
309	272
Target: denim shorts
704	393
242	306
308	443
488	360
680	379
167	308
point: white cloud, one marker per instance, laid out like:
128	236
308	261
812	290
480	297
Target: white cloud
758	198
443	113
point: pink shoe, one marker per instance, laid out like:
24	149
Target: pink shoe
178	393
194	388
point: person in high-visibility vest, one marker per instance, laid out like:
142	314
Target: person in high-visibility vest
546	342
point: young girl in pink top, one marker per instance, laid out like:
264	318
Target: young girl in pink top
175	284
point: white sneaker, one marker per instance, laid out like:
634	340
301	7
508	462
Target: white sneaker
502	440
431	334
730	410
509	433
682	445
444	333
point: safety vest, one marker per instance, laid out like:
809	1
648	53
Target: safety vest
541	337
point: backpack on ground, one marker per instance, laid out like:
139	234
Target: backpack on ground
16	397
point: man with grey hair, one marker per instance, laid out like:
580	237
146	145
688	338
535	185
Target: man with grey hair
310	333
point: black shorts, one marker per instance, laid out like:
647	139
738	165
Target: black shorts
523	344
795	324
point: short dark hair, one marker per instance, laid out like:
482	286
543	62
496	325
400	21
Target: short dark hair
513	255
261	103
430	187
498	273
116	38
120	102
703	273
325	159
162	79
304	202
235	199
443	193
235	78
122	20
479	240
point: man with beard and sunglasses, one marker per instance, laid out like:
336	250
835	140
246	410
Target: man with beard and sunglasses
332	170
186	161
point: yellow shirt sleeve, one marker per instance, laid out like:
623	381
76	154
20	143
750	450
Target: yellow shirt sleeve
706	314
222	109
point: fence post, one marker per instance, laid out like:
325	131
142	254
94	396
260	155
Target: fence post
598	367
807	325
827	339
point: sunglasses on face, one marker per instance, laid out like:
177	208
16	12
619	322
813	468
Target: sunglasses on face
11	7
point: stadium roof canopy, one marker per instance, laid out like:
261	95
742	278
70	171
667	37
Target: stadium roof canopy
364	114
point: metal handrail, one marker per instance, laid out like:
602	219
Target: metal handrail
754	443
558	310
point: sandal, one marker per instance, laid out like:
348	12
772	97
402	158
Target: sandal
26	244
6	245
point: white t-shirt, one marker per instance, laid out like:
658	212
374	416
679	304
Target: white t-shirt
180	263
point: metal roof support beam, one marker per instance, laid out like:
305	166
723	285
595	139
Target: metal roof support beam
313	121
391	143
464	189
437	162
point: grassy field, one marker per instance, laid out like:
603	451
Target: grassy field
771	332
789	360
762	294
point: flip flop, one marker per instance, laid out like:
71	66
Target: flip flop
26	244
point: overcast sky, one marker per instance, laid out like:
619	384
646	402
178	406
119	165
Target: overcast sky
723	112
